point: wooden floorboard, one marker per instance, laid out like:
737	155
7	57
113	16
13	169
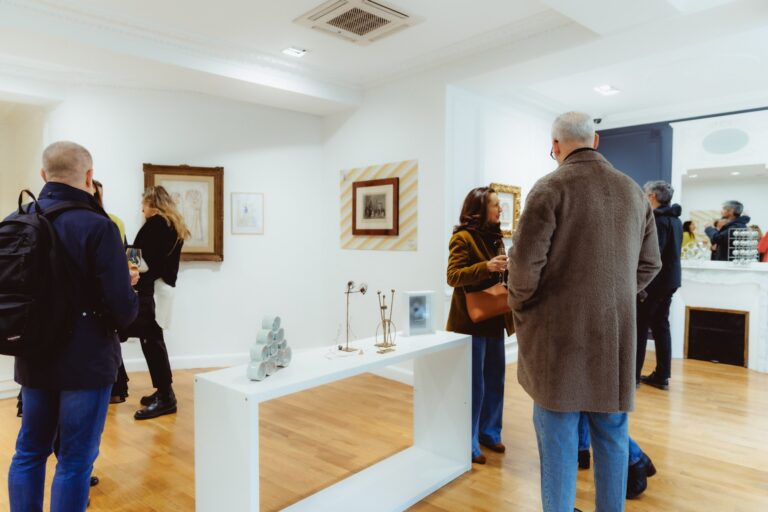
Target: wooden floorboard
706	436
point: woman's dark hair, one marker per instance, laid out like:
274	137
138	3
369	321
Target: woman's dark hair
687	227
97	194
475	210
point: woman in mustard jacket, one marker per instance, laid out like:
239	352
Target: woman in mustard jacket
477	262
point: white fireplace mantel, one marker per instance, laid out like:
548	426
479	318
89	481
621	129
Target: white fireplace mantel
723	285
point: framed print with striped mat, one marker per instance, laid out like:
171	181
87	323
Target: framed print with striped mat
379	207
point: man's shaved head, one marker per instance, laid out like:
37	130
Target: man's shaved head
66	161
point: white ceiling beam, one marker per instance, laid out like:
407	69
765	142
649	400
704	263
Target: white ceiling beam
680	32
268	78
610	16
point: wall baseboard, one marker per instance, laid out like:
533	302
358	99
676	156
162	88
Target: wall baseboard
191	362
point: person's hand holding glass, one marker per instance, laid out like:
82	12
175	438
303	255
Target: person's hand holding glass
136	263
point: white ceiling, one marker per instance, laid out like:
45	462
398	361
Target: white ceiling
264	28
703	62
658	52
234	46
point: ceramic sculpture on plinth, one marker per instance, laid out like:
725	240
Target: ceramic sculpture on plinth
271	351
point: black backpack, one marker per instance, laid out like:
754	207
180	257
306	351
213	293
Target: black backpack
36	303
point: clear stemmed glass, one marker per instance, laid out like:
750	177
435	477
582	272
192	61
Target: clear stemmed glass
134	258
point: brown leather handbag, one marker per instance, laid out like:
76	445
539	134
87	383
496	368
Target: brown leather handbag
488	303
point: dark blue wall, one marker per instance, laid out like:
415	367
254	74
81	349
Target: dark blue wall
643	152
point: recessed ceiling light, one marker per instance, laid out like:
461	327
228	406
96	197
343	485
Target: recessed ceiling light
735	173
693	175
295	52
607	90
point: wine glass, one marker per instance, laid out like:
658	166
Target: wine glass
135	261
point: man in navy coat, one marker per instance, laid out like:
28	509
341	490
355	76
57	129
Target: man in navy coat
70	393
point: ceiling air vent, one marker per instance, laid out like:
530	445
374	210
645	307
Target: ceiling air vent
358	21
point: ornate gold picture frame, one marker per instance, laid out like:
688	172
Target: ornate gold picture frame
509	198
199	196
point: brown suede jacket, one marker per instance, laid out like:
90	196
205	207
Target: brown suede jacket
467	267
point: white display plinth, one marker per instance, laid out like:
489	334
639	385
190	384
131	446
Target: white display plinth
729	286
227	427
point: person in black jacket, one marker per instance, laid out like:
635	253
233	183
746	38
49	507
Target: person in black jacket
653	308
69	394
160	240
720	237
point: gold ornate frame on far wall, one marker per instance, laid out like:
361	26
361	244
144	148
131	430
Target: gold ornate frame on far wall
199	196
509	198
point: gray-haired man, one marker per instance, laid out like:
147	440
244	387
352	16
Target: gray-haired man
733	218
653	308
586	244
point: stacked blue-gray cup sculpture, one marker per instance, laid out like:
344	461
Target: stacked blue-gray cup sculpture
271	351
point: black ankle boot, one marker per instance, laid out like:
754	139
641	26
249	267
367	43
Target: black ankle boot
637	476
655	380
584	459
146	400
164	403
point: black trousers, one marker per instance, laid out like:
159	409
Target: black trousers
120	387
653	313
156	354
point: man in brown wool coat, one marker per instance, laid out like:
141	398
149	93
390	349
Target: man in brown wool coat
585	247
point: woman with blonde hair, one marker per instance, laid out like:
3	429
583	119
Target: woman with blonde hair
160	240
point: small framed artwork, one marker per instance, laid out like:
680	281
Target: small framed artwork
420	318
247	213
199	196
376	207
509	198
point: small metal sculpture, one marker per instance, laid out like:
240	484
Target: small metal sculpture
351	288
387	328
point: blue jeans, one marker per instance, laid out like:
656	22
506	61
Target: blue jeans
557	434
635	453
78	417
488	367
583	432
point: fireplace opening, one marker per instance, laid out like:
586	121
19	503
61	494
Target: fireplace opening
717	335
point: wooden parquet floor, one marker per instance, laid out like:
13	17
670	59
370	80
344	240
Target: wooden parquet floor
708	437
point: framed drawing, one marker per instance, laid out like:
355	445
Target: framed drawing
509	198
199	195
376	207
420	318
247	213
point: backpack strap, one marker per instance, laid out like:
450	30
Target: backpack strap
34	200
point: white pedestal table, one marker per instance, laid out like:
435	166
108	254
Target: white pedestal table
227	427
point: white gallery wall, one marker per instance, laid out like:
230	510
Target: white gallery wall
279	153
490	141
297	269
21	140
400	121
